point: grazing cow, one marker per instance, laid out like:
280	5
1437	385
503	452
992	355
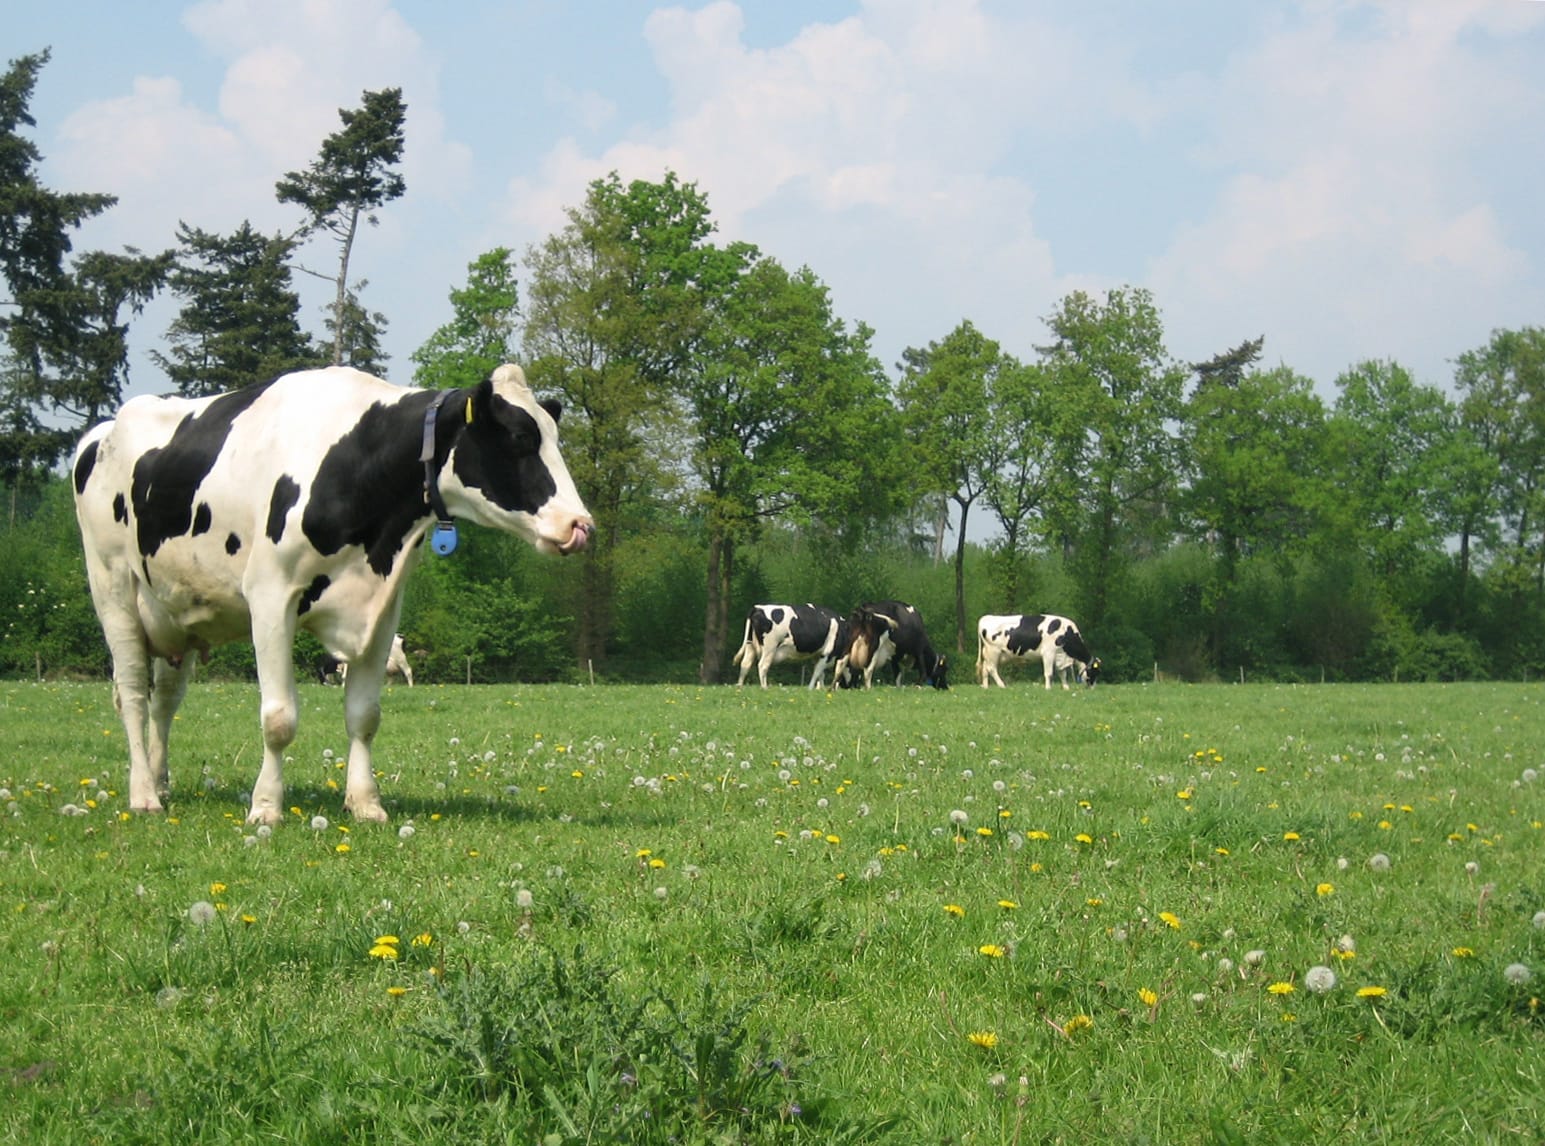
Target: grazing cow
778	633
1056	640
296	503
883	631
396	662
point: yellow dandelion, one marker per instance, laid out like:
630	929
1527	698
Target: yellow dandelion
1220	851
1077	1023
383	951
217	888
1462	953
1092	902
1035	868
645	853
834	839
984	832
657	863
1290	835
1037	835
1084	838
1148	997
992	951
1004	814
1324	889
1281	989
1007	904
423	939
577	774
1183	794
396	992
1372	992
341	849
984	1039
955	909
249	919
1170	918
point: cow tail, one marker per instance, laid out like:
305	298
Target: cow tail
745	643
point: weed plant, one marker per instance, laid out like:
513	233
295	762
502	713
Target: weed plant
709	915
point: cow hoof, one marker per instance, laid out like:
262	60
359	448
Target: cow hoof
152	807
262	815
368	814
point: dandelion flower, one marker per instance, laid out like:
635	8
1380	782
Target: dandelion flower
1463	953
1281	988
958	818
1517	974
423	939
1372	992
1319	980
1171	919
1324	889
1255	958
1037	835
319	823
984	1039
383	951
992	950
396	992
955	909
201	913
1084	838
1378	862
1147	997
1077	1023
1290	836
1007	904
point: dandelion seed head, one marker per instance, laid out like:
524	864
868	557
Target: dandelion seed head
1255	958
319	823
1319	980
1378	862
1472	868
524	899
1517	974
201	913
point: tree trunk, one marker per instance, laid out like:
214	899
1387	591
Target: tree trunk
960	580
341	299
721	552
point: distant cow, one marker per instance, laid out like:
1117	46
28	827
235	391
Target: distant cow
329	664
1056	640
778	633
297	503
885	631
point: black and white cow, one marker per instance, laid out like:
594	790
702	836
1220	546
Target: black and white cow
1056	640
886	631
330	664
778	633
296	503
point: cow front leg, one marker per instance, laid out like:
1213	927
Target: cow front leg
362	717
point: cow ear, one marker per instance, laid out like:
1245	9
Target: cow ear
479	401
553	407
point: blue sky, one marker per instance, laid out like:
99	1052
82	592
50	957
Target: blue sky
1349	179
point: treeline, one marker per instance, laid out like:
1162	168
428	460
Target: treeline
738	442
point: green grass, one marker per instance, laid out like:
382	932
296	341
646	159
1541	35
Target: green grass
649	914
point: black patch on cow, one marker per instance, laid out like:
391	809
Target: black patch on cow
1025	637
369	489
166	479
313	592
499	455
83	467
810	627
120	507
202	518
232	544
286	494
912	643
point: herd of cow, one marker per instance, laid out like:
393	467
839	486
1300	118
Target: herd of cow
304	502
857	646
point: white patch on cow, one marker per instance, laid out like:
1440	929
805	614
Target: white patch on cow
779	645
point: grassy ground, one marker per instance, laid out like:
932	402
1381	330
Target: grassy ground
651	914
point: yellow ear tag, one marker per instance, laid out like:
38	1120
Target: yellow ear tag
469	411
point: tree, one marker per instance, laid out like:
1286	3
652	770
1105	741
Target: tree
357	332
63	325
240	318
348	181
944	394
1019	464
787	415
616	303
1117	393
481	334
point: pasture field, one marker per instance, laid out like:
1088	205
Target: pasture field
700	915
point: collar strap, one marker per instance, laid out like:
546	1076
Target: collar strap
426	455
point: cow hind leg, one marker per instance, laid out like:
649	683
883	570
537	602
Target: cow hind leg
170	685
130	649
272	643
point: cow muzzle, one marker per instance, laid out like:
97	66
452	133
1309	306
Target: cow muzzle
579	537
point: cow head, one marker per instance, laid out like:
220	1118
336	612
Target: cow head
938	677
1092	671
504	470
